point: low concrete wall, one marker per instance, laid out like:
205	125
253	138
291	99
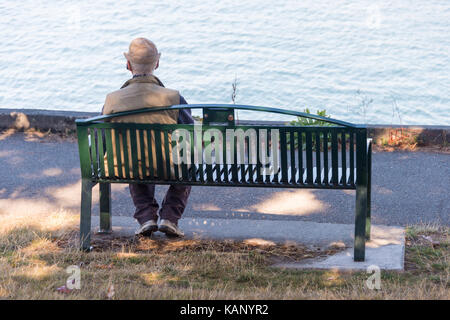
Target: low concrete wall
64	122
44	120
380	133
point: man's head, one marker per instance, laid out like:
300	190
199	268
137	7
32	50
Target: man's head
142	56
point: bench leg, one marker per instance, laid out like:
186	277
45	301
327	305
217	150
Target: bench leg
368	222
105	208
360	223
369	192
85	218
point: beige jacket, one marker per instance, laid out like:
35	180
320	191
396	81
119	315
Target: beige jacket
138	93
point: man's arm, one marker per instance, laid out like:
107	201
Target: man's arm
184	115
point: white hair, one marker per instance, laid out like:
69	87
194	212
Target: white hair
142	55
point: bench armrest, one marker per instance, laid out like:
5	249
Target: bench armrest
369	144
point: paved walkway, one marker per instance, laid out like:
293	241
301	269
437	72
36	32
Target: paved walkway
408	188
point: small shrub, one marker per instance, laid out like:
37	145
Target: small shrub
301	121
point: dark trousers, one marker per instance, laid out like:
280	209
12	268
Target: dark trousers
172	207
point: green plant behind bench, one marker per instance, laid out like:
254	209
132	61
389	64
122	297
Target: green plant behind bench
312	122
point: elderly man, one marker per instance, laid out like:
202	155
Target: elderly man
145	90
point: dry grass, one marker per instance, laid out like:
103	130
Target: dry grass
403	140
36	250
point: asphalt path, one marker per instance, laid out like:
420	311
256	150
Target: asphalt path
40	174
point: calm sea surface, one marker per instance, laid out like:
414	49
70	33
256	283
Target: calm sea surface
362	61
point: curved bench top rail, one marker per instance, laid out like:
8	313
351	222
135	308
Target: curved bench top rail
219	107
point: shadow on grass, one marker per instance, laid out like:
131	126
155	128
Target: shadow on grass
33	262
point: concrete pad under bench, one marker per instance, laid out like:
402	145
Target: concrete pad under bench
385	249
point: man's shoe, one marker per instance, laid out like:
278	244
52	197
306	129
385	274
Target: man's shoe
146	229
170	229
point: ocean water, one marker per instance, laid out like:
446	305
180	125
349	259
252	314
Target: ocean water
362	61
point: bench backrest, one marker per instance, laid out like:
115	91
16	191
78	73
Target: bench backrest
228	154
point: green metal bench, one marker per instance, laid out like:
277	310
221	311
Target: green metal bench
224	152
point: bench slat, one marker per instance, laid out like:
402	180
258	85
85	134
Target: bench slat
167	156
224	167
101	153
233	165
190	174
176	167
126	158
159	154
209	176
142	152
352	159
93	149
284	154
334	158
150	154
109	153
217	169
274	175
118	152
292	156
325	157
300	168
317	177
134	152
259	177
343	179
309	159
241	163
